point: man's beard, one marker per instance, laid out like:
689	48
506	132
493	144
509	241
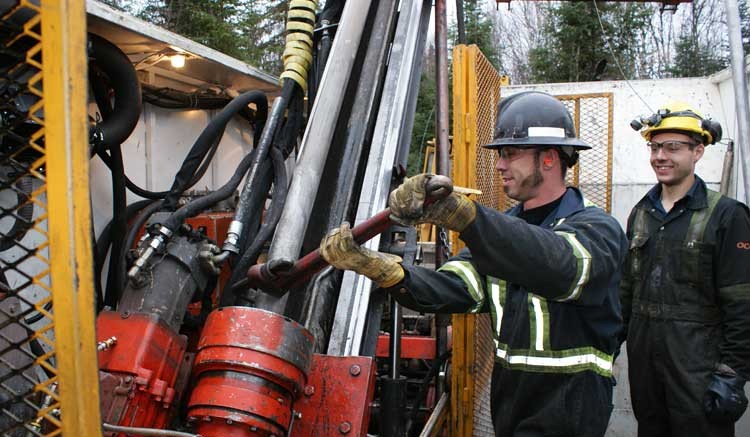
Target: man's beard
533	180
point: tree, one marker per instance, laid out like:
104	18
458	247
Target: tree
480	30
585	42
698	51
249	30
424	116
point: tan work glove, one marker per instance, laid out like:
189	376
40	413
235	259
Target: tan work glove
342	252
454	212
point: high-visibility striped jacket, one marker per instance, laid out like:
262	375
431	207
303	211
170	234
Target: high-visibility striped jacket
551	290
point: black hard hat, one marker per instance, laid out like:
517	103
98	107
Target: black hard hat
534	119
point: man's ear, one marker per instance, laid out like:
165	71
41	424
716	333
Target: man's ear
548	159
698	152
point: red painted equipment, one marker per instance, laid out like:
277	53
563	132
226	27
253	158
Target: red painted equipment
139	373
250	367
412	346
337	397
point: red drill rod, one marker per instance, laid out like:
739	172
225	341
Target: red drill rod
279	278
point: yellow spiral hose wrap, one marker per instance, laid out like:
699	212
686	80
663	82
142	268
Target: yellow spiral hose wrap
300	25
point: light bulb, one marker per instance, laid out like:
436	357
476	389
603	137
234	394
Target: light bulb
177	61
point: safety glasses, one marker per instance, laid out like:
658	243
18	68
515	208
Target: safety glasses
672	146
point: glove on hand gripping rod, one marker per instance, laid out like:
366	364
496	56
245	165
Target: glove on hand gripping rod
277	278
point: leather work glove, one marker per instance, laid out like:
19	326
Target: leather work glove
407	203
342	252
725	401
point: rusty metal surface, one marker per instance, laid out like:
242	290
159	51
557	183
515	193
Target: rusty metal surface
250	366
337	398
412	346
138	374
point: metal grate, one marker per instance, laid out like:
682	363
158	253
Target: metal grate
592	114
29	403
488	83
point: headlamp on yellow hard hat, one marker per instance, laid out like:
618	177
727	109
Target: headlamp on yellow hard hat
678	117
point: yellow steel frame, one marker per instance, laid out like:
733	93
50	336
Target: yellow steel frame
64	69
464	174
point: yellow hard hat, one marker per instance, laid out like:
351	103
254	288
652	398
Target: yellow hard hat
678	116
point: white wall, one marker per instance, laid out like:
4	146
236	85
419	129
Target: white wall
632	175
156	149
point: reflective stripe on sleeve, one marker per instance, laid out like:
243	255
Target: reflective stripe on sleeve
583	258
468	274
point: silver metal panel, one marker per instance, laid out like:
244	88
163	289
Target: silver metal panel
287	241
411	30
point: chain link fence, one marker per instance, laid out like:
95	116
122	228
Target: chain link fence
29	403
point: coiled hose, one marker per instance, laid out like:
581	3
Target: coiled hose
127	103
109	69
297	56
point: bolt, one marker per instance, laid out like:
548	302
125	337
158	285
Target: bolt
345	427
253	428
355	370
281	400
192	419
309	390
207	419
128	379
229	421
298	415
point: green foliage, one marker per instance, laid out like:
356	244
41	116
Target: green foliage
249	30
424	121
573	47
693	58
480	30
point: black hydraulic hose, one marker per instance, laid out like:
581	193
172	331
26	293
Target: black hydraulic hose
202	145
250	209
156	195
250	255
127	103
324	34
139	222
111	299
24	214
103	245
196	206
119	223
266	141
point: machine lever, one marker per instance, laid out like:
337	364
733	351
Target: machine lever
276	279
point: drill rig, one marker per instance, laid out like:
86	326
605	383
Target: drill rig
187	342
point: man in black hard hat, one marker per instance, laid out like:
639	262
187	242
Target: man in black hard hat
686	288
547	272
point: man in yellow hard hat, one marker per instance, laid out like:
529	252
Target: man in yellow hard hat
686	288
